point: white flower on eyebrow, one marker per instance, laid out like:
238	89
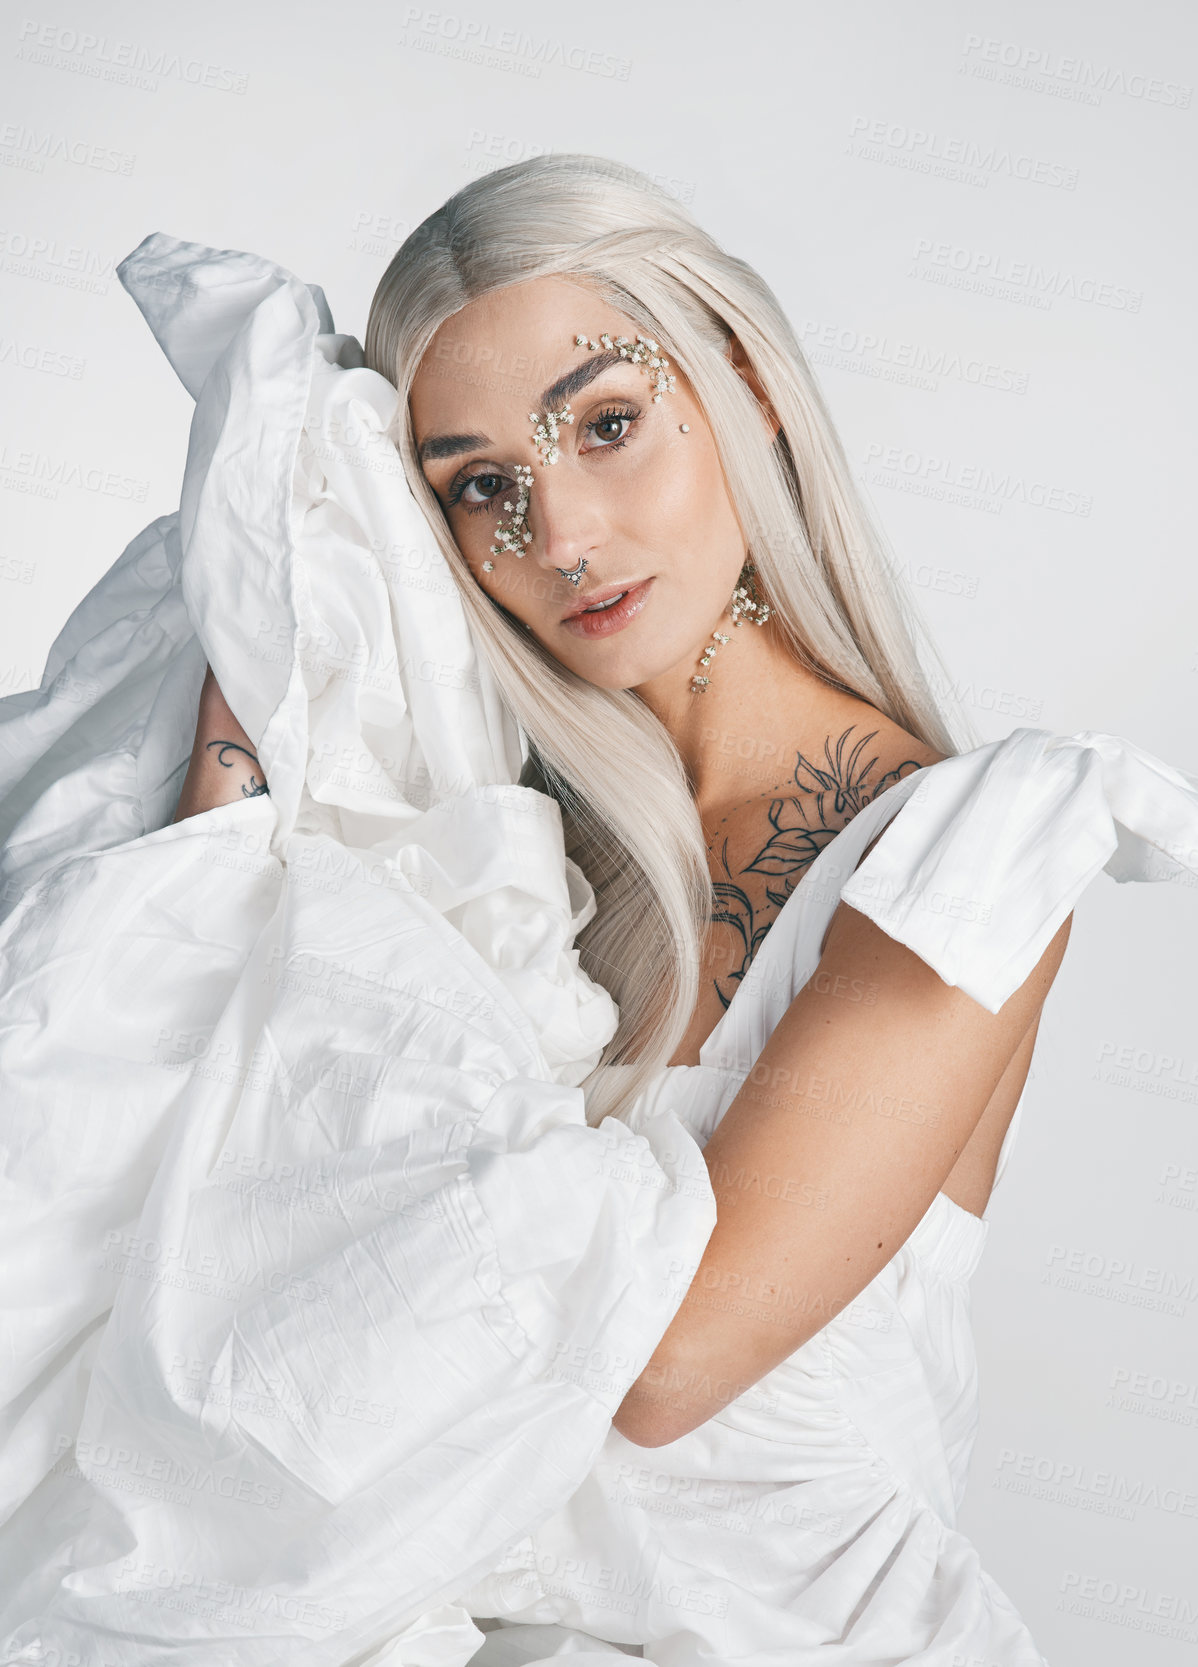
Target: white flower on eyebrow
642	352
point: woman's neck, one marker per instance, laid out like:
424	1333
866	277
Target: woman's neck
740	734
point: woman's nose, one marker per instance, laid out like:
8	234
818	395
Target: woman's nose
562	516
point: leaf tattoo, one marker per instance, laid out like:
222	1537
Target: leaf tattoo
801	826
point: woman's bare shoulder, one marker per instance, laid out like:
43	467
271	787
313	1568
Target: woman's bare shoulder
838	759
775	821
876	752
864	751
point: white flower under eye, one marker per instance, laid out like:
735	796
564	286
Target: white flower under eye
514	535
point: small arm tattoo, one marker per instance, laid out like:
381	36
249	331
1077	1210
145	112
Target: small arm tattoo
255	788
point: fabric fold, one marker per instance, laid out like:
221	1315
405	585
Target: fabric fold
289	1080
991	849
317	1291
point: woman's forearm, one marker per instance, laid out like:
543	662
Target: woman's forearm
224	764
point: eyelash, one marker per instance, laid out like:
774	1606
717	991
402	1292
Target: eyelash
631	415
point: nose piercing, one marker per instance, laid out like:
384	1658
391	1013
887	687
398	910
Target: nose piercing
576	573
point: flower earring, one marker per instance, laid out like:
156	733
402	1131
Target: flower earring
747	603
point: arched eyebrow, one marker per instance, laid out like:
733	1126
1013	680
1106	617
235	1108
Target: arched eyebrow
440	446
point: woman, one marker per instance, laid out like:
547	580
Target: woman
662	553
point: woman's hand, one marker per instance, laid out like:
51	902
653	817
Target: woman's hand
224	765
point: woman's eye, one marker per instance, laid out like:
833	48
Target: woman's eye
490	485
611	429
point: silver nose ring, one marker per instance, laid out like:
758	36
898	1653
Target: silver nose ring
576	573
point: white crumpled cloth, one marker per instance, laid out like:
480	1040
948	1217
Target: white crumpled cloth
318	1293
278	1378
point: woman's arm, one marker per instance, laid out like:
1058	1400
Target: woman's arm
224	765
832	1151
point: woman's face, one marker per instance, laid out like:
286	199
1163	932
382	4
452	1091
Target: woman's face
645	503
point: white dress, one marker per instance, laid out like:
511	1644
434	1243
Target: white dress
318	1291
817	1509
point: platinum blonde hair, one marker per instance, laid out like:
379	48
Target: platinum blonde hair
824	567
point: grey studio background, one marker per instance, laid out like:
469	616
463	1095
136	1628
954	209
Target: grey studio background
975	216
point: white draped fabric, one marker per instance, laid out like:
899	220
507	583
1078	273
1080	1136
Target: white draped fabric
318	1292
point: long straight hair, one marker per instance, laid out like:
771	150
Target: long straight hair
840	607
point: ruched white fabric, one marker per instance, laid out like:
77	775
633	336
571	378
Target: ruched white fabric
318	1292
